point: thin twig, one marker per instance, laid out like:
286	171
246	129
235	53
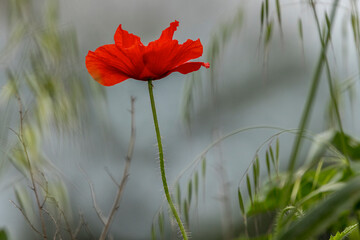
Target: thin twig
81	222
224	188
26	218
57	230
111	176
93	196
34	187
125	176
62	213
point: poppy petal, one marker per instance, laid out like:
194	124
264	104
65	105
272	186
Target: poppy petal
129	58
160	57
168	33
186	51
103	72
115	57
124	39
190	67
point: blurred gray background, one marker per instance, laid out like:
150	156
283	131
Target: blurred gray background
249	93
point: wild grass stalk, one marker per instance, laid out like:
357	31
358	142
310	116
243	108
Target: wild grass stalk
312	92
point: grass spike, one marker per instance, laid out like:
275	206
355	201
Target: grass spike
241	202
262	15
190	191
267	10
186	212
248	183
161	223
196	183
203	168
178	195
153	232
268	165
268	33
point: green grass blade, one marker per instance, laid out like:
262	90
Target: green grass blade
343	234
190	191
153	233
324	214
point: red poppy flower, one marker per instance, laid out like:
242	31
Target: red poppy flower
129	58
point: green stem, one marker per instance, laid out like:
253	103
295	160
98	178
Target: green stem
310	100
162	164
331	88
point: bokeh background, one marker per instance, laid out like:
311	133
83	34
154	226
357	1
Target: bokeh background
252	84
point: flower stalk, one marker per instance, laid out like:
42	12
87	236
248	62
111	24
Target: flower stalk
162	164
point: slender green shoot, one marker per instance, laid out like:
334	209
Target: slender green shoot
162	163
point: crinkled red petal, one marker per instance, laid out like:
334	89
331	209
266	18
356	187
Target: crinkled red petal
129	58
124	39
188	67
162	56
168	33
103	72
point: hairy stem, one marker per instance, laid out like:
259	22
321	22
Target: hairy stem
162	164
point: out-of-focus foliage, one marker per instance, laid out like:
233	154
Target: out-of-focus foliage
343	234
3	235
46	91
45	67
320	200
215	49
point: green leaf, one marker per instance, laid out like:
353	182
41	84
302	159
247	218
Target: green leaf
3	235
262	237
324	214
352	145
343	234
318	147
